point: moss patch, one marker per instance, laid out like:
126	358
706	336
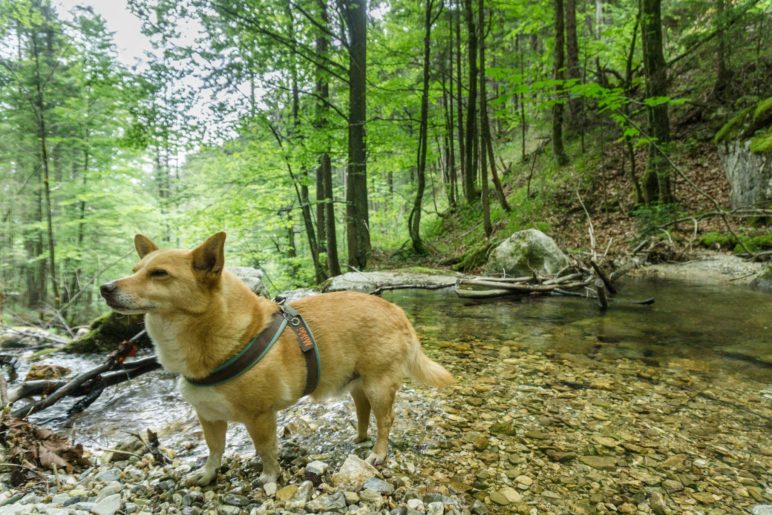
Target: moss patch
733	128
107	331
762	143
755	243
713	239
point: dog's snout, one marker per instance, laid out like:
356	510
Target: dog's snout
108	288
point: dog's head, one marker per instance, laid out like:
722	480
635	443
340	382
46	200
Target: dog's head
169	280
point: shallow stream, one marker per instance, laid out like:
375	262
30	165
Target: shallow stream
540	379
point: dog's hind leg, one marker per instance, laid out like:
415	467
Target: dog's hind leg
381	397
363	413
214	434
262	429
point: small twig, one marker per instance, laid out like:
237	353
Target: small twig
384	288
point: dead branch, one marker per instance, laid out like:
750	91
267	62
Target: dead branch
384	288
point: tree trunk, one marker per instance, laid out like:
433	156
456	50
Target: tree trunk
40	117
523	125
357	217
324	196
470	163
557	109
628	92
460	99
486	207
657	176
414	220
722	72
486	141
452	176
574	70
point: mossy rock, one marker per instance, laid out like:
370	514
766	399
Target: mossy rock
714	239
747	123
755	244
107	331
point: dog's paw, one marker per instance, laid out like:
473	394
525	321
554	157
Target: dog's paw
201	477
375	459
361	439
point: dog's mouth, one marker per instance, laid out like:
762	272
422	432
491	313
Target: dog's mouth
123	309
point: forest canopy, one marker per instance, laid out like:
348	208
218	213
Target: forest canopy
334	136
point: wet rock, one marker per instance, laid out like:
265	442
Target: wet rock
354	472
416	505
657	503
435	508
302	495
704	497
762	509
599	462
369	281
506	496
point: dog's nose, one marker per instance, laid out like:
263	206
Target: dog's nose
107	288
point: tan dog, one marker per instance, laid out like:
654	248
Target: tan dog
199	315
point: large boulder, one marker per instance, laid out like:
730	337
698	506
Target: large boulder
524	253
252	277
745	148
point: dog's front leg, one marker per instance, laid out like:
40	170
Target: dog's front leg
262	429
214	434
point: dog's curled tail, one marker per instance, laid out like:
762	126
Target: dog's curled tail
426	371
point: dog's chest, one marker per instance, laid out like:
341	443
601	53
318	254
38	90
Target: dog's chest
208	402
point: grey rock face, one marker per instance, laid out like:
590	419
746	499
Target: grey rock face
252	277
749	174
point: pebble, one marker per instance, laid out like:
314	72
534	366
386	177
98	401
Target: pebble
354	472
599	462
328	502
270	488
378	485
235	500
109	489
286	493
435	508
107	506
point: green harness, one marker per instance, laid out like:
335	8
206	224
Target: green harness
262	343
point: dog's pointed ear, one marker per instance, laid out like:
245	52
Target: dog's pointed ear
144	245
209	257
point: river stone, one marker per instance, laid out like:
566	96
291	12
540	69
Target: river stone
354	472
270	488
378	485
506	495
762	509
286	493
526	252
252	277
314	472
107	506
111	488
325	502
435	508
599	462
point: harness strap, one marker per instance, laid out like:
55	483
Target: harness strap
307	344
259	346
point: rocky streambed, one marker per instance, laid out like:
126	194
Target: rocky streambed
574	415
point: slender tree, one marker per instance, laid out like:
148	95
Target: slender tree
557	109
470	161
656	179
357	211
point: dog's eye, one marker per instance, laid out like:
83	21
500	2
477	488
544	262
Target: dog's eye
159	273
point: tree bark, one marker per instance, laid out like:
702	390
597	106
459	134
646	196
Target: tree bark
357	215
470	159
325	194
486	207
557	110
460	97
414	220
574	70
722	72
40	116
657	176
